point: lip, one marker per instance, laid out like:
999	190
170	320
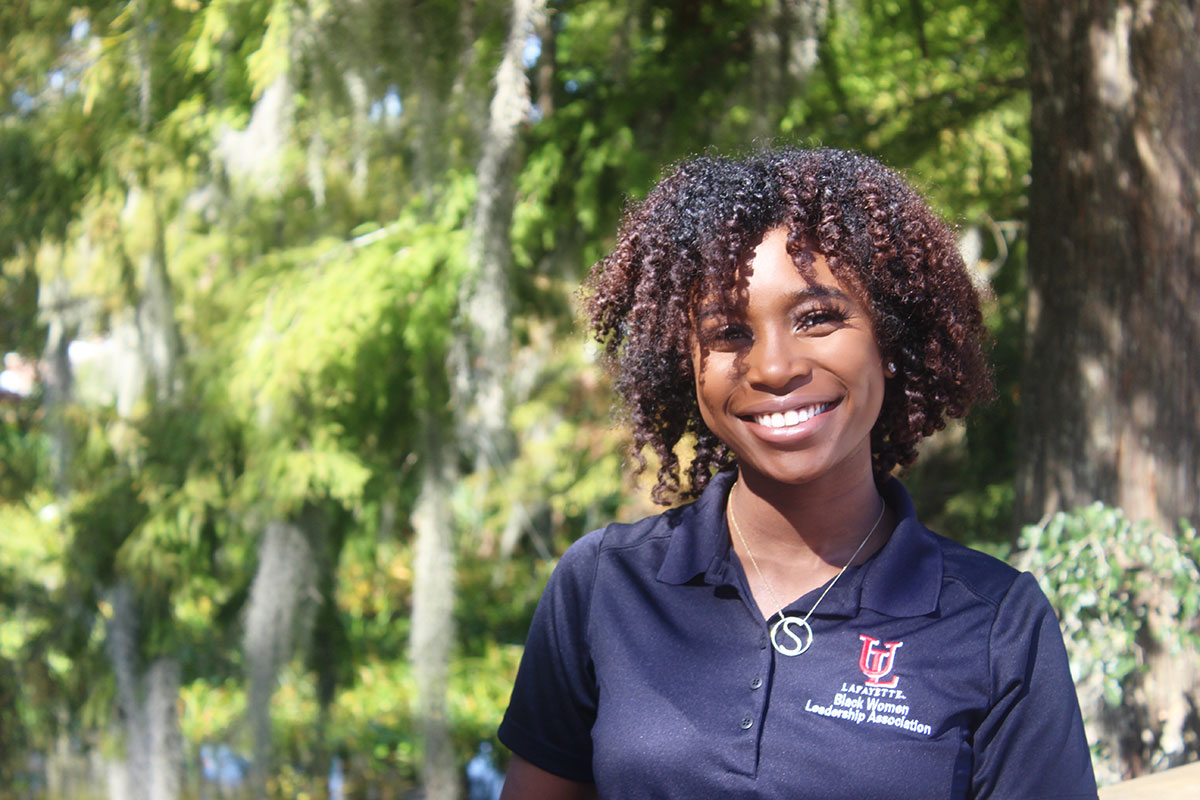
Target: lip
788	434
780	405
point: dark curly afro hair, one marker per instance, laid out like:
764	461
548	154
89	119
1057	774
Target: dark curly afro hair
698	226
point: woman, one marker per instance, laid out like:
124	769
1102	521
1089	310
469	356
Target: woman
804	319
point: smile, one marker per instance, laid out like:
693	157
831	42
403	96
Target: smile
793	416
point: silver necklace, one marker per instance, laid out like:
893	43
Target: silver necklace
795	628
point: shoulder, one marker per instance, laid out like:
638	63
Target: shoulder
921	572
617	537
985	576
680	542
1009	602
651	530
644	540
1006	589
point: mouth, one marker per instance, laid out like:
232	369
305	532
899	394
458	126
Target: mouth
792	416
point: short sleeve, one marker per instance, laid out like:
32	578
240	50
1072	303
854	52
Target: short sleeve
553	706
1031	744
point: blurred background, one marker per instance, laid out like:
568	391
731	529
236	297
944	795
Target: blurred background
296	412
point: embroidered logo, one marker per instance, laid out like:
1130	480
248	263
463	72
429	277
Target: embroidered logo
876	662
875	701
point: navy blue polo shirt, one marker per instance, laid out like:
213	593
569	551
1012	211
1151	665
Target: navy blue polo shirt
935	672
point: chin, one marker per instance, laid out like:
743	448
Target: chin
813	468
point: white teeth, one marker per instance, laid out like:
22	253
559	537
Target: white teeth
794	416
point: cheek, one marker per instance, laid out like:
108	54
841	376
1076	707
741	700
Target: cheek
864	361
711	386
877	392
697	374
703	400
698	383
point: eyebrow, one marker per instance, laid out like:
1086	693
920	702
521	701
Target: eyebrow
709	312
818	292
813	292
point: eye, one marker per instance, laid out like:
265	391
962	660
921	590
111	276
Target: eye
733	333
725	335
821	320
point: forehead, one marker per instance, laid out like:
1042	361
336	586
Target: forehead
772	275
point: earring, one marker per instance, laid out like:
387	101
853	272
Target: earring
890	369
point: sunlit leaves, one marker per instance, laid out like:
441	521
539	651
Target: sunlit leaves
1125	593
271	60
34	545
1114	582
927	95
311	333
316	328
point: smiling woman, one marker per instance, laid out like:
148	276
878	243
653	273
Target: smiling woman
788	374
805	319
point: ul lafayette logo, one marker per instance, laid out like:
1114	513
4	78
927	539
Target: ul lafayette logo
876	661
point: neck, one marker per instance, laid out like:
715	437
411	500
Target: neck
789	562
808	526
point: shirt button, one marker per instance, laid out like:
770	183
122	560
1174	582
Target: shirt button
755	683
746	723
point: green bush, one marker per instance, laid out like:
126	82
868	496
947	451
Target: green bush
1125	592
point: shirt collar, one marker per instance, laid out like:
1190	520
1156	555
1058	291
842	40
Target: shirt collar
903	579
700	539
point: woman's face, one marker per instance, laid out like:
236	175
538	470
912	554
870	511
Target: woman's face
791	379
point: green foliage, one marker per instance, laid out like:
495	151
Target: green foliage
1120	588
23	450
1101	572
333	344
42	636
940	93
316	314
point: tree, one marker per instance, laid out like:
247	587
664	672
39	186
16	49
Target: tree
481	357
327	257
1111	382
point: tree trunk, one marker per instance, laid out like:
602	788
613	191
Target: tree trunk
121	644
153	763
315	166
165	752
161	344
144	65
432	634
478	364
1111	383
356	89
54	301
546	79
482	369
146	698
427	111
277	617
785	36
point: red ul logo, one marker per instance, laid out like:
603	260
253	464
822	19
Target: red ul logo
876	662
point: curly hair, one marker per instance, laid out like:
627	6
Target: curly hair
702	222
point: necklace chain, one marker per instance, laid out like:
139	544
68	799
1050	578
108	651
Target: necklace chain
775	598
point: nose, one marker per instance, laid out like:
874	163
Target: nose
776	360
